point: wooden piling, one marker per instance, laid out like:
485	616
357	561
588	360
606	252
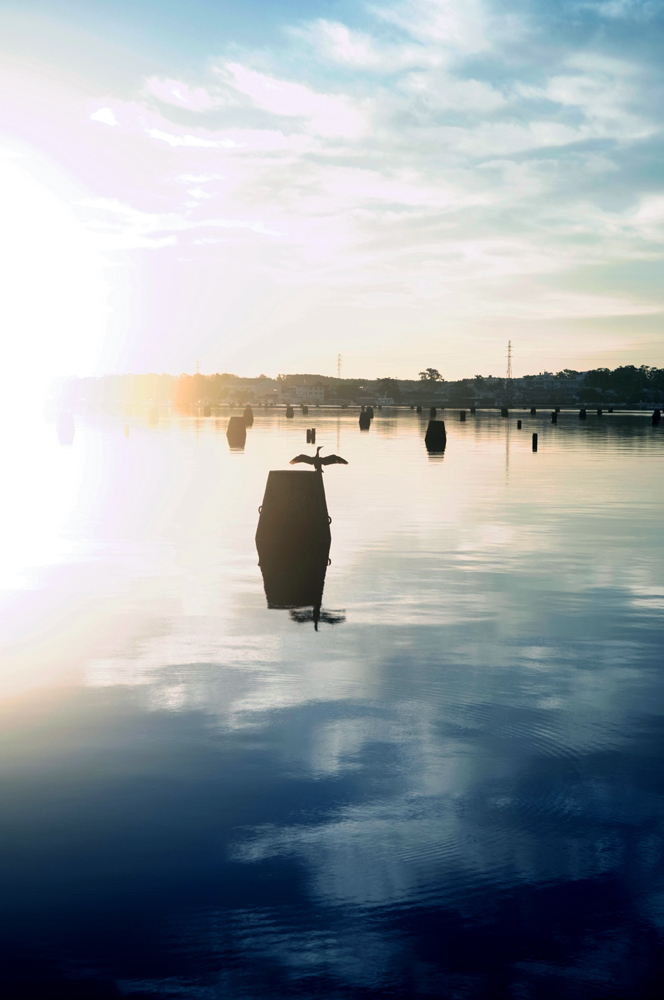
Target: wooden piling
534	442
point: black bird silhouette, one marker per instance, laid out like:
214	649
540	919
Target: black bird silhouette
317	461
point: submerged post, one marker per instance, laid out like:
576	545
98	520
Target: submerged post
534	442
462	416
554	417
518	425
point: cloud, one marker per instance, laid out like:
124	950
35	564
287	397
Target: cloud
105	116
182	96
452	158
337	43
456	25
325	114
191	140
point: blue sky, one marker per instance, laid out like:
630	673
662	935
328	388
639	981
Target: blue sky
260	186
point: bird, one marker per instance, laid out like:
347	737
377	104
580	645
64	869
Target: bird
317	461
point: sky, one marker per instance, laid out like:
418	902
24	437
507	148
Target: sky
257	186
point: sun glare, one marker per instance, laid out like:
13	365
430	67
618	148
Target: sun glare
52	310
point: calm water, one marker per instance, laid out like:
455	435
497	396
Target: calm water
454	788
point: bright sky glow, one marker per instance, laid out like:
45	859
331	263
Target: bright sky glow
261	186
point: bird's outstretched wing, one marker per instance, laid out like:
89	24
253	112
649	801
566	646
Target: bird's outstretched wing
333	460
302	458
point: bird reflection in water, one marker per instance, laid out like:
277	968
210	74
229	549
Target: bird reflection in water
293	540
317	615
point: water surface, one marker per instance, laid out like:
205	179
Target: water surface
451	788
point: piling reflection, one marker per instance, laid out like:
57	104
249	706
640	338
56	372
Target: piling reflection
295	580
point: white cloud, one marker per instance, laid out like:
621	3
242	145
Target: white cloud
327	115
191	140
337	43
459	25
181	95
105	116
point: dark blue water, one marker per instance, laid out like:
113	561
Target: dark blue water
453	788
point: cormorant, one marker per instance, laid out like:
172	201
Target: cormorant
317	461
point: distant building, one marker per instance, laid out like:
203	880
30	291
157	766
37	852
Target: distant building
304	394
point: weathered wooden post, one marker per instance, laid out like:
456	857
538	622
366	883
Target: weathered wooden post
504	412
290	413
432	413
534	442
656	417
313	435
518	425
599	411
462	416
533	411
419	409
582	413
248	416
554	417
